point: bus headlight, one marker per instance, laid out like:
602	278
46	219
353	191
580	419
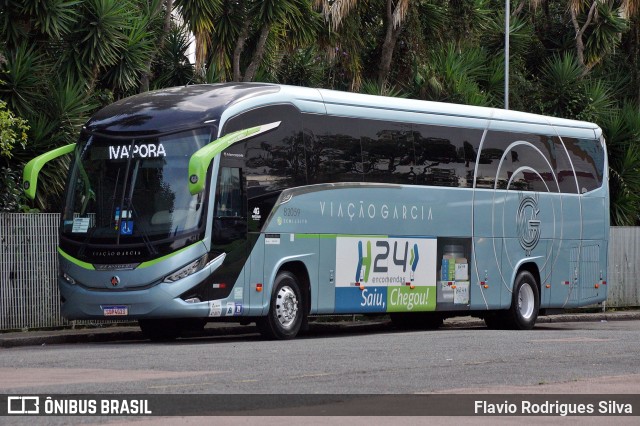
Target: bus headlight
187	270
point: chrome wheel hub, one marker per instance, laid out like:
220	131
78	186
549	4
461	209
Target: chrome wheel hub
526	301
286	307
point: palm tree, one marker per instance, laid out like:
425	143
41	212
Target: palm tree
598	25
63	59
200	16
394	17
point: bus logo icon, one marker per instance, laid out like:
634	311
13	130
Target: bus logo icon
528	224
23	405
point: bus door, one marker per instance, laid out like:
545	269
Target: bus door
230	235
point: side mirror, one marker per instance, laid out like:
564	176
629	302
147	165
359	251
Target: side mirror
33	167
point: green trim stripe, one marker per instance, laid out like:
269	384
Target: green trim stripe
163	258
75	261
334	236
146	264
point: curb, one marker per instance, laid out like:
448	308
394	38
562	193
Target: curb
132	333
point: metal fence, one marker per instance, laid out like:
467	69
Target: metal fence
29	296
623	269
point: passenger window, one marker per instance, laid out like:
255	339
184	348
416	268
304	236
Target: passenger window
387	151
445	156
587	157
333	149
518	161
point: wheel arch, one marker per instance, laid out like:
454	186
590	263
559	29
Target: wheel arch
530	266
301	272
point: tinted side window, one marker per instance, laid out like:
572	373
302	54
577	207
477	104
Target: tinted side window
387	151
274	160
445	156
587	157
518	161
564	171
333	149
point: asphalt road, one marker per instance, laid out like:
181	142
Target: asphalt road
343	361
555	358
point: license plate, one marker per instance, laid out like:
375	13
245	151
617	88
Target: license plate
115	311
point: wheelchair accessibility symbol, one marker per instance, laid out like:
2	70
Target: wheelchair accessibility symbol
126	227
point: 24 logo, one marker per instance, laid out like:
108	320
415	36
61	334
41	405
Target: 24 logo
403	258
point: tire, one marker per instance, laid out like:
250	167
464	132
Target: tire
525	303
286	310
417	320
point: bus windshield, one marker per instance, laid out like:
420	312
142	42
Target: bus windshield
132	192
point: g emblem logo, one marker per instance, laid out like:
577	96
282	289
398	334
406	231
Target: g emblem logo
528	224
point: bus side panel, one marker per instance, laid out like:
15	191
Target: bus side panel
281	249
488	234
326	299
254	298
486	285
593	210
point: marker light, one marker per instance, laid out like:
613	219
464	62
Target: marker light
68	278
361	287
259	287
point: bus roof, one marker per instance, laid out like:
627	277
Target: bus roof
173	109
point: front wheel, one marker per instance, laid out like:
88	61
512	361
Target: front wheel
286	311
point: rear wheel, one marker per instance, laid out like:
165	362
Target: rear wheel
525	304
286	312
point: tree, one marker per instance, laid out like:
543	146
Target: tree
200	16
64	59
598	25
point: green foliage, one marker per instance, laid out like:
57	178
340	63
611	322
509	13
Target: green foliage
603	36
560	83
302	67
621	129
172	66
61	60
12	199
13	131
25	75
454	75
371	87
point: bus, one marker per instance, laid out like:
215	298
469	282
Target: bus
267	203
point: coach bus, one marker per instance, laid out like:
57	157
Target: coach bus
269	203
